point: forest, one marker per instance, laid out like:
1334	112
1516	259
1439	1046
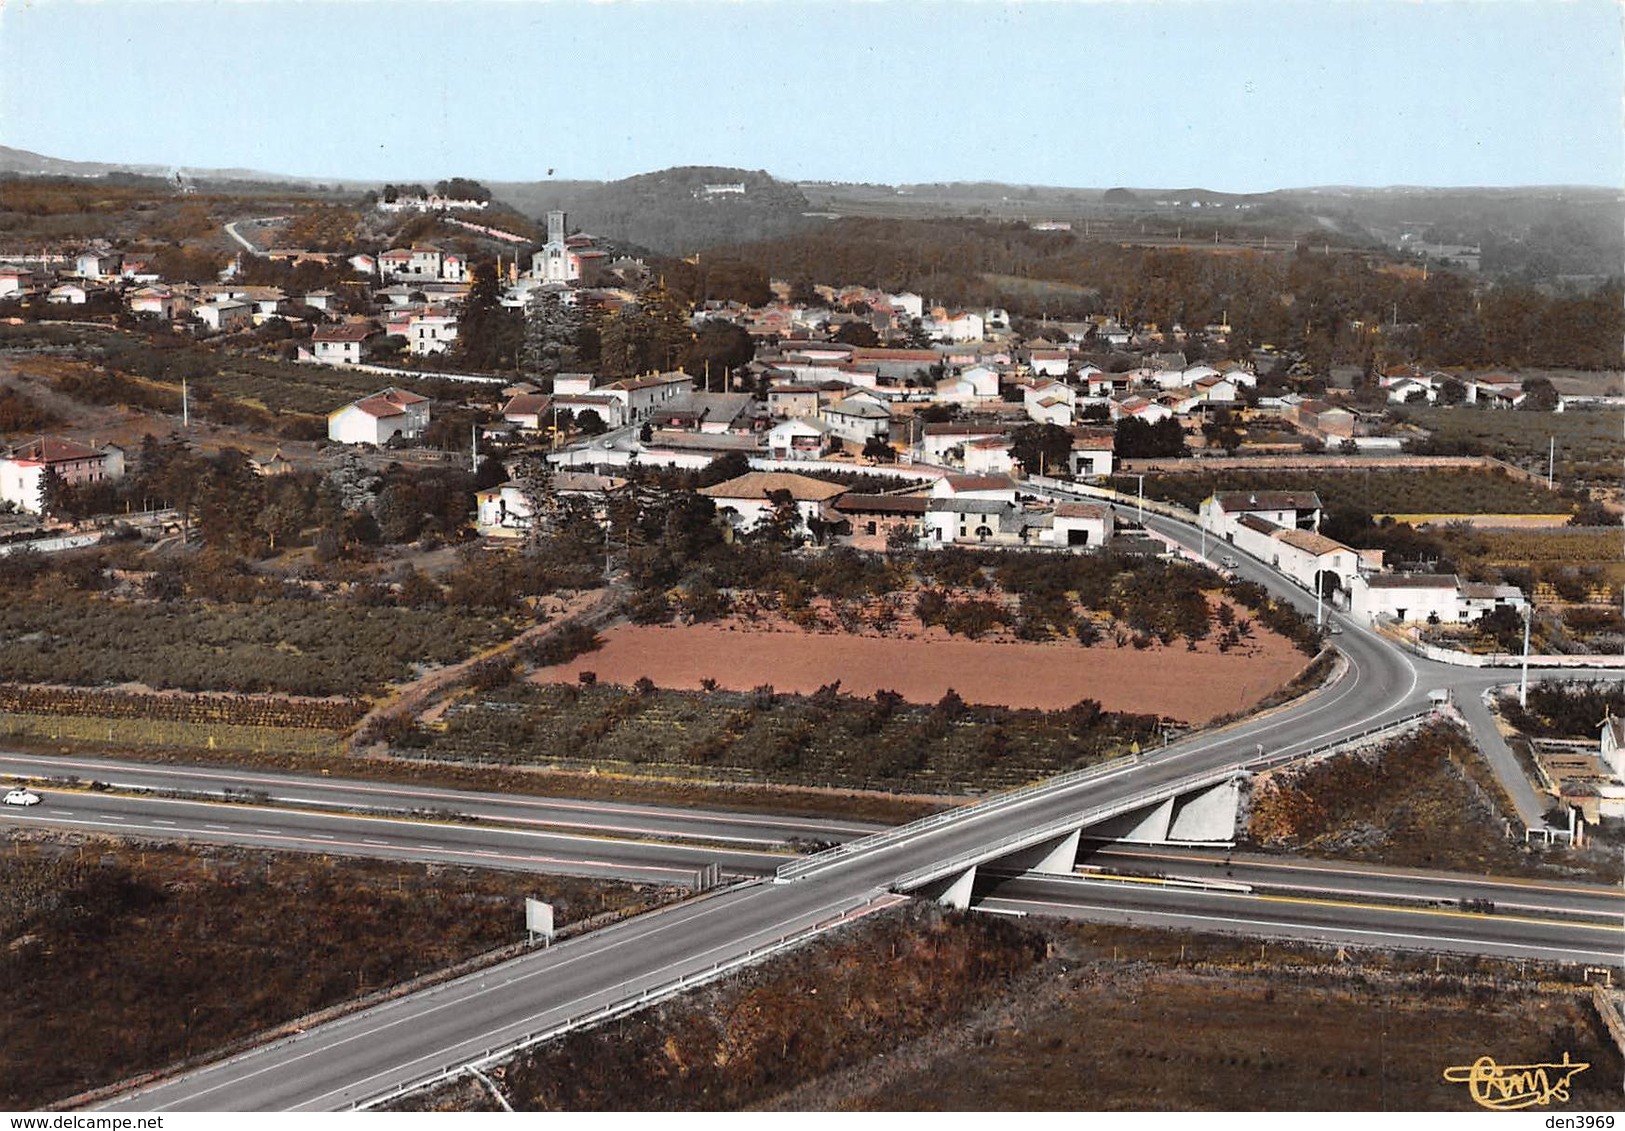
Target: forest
1333	305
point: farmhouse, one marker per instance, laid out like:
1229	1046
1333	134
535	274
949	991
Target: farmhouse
871	519
382	417
1298	510
1432	597
746	500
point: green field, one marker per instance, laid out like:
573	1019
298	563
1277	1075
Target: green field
823	739
1589	443
1373	492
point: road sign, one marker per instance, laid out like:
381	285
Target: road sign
539	919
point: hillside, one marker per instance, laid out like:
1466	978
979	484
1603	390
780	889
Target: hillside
671	211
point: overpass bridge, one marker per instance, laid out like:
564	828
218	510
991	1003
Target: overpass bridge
402	1044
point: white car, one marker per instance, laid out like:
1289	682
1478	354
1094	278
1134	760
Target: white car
22	797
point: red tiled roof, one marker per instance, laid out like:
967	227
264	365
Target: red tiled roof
52	449
347	332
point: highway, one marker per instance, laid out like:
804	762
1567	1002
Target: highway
664	822
1313	918
357	1059
425	840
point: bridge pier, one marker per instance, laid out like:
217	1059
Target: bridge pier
1055	857
1205	816
953	891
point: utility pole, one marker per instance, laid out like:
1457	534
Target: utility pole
1551	461
1523	683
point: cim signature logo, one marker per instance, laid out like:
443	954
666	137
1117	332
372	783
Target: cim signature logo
1508	1087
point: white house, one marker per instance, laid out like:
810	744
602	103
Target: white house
857	420
909	304
99	265
1612	746
68	294
984	381
1049	363
224	317
1406	597
990	456
431	332
1291	509
15	280
1094	451
1049	402
937	440
799	438
384	416
1081	525
503	511
344	344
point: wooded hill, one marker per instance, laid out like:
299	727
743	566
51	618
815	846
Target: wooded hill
671	211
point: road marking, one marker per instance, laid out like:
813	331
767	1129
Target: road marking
1565	954
218	828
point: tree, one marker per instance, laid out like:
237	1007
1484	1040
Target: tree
857	334
781	527
1138	440
552	332
1041	449
1540	395
590	423
877	450
488	334
717	348
461	188
535	482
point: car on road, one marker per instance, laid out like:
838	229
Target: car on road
22	797
1228	562
1336	630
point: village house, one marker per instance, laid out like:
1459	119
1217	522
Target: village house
503	510
528	411
1094	452
344	344
161	302
98	264
15	280
800	438
24	468
744	502
433	331
870	520
68	294
225	317
386	415
857	420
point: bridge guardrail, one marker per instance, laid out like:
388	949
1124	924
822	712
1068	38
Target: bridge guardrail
628	1004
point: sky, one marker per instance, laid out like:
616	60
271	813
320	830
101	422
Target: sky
1222	94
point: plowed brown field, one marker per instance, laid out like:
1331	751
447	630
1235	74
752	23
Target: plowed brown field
1190	686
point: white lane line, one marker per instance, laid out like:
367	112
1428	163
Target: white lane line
218	828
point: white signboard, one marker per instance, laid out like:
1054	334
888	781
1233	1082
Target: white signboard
539	918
